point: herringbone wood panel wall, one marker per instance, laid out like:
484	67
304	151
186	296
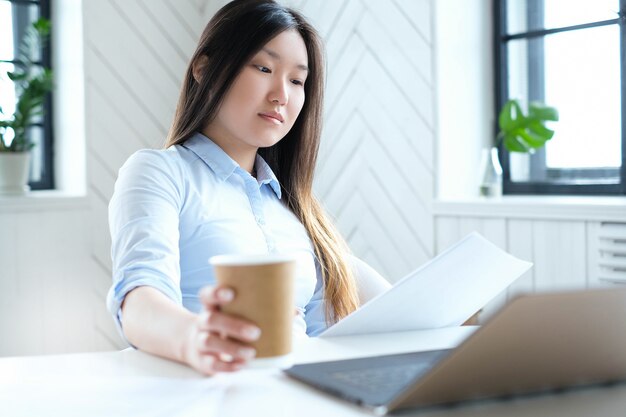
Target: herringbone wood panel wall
376	169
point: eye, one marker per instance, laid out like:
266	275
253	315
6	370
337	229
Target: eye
297	82
263	69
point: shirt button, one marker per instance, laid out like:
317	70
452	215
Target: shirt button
260	221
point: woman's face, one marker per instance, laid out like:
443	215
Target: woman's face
266	97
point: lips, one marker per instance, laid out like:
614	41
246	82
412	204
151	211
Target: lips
273	115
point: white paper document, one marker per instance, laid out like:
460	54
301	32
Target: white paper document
446	291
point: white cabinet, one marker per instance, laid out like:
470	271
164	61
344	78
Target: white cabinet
572	250
606	253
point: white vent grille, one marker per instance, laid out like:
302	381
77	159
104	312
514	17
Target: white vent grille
607	254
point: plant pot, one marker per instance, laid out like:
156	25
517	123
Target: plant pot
14	173
490	173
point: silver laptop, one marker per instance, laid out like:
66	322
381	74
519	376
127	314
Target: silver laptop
536	343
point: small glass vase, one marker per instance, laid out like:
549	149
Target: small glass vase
490	173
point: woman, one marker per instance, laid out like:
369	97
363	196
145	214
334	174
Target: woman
235	177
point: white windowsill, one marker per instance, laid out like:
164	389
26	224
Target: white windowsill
609	209
43	201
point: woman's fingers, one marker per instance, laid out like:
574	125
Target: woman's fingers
210	364
208	343
217	322
213	321
213	297
221	339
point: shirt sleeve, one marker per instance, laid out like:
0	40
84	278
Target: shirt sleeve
315	310
143	220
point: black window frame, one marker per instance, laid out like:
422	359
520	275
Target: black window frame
46	181
559	183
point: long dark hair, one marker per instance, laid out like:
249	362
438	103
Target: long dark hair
237	32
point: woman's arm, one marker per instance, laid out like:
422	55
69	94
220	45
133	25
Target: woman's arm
369	282
146	299
209	342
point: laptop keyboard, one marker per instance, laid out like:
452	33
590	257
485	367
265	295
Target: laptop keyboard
387	378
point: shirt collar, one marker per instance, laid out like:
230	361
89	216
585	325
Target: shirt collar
224	166
265	175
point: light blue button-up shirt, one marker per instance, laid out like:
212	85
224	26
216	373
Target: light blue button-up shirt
173	209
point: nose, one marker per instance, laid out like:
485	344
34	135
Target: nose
278	94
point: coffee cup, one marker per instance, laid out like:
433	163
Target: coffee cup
264	287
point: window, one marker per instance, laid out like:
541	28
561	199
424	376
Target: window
566	53
15	17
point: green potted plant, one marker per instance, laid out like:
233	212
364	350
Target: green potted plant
32	83
519	132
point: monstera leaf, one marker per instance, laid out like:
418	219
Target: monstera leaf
525	133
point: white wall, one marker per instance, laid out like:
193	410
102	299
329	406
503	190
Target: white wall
376	170
465	108
47	299
69	114
136	54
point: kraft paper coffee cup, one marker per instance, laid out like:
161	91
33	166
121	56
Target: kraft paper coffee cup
264	287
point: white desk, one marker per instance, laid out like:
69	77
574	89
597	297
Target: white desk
131	383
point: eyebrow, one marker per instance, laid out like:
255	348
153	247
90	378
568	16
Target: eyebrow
276	56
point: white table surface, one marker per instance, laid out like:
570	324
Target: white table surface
132	383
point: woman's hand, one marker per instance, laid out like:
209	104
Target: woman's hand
218	342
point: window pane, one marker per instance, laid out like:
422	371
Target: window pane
15	18
517	54
6	32
582	79
37	168
7	90
561	13
526	15
578	72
